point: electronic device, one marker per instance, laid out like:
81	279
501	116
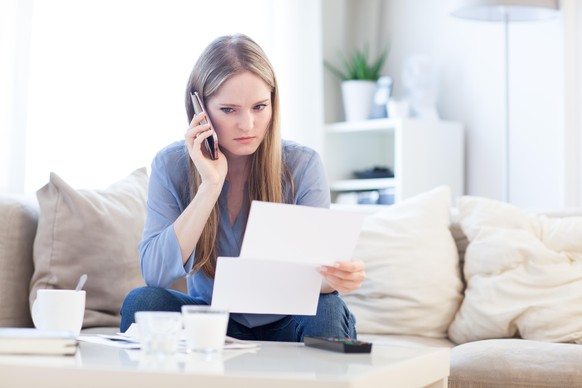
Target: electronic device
211	142
337	344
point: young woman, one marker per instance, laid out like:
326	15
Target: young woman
198	207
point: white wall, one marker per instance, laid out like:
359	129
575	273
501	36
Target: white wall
572	140
15	20
297	58
469	60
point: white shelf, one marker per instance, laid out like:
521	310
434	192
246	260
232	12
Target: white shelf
422	154
362	184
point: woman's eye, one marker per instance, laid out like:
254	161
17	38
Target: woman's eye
227	110
260	106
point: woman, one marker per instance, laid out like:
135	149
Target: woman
198	207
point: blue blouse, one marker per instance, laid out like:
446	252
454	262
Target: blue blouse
168	196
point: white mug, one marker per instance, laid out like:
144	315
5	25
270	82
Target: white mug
59	310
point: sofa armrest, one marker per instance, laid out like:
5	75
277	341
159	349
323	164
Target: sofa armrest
18	222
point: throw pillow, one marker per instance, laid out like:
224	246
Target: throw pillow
94	232
413	285
523	273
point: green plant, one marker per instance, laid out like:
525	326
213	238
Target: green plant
358	66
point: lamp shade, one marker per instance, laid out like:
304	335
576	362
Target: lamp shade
498	10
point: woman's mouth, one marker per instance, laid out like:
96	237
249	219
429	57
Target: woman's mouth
244	140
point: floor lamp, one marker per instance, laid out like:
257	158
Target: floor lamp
506	11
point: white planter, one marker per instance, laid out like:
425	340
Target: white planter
358	98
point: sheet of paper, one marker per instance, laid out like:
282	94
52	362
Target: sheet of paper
300	234
115	342
266	286
130	340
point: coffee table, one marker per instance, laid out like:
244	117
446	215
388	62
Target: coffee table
272	365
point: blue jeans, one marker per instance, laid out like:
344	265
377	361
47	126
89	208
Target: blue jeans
332	319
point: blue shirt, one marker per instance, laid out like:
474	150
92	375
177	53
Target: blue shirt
168	196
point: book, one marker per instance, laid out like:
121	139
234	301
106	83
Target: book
35	341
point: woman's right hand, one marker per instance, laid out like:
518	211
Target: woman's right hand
212	172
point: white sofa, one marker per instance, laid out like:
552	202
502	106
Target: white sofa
415	294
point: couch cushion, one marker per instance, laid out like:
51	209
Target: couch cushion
413	284
515	363
94	232
406	340
18	218
523	273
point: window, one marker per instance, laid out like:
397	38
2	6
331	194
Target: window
96	86
107	80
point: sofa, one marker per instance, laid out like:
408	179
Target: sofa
498	285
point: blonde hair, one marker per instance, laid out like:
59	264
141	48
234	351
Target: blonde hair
223	58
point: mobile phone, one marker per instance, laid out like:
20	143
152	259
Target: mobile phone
211	142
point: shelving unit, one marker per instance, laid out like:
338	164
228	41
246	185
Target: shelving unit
423	154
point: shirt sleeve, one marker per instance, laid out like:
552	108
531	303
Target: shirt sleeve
311	186
160	255
308	173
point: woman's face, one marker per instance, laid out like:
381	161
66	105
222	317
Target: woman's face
241	112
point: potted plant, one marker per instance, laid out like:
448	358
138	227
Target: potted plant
359	75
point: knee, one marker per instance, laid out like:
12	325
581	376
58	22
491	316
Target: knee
145	299
332	305
142	299
333	309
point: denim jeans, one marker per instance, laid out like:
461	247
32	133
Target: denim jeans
332	319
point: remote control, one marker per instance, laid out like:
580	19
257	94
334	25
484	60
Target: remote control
336	344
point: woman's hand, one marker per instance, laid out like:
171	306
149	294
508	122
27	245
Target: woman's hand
344	276
212	171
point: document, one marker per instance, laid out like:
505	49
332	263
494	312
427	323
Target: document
131	340
283	247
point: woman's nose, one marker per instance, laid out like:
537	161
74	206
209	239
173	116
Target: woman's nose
246	121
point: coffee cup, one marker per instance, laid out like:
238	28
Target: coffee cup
59	310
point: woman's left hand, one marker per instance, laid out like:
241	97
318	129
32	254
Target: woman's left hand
344	276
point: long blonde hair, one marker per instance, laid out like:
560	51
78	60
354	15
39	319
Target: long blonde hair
223	58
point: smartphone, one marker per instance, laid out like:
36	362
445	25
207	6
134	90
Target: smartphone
211	143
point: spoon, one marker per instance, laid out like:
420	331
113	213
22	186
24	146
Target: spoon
81	283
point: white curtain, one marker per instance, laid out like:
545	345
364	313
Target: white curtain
106	80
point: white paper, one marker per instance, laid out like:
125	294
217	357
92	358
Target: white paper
300	234
131	336
276	272
266	287
113	341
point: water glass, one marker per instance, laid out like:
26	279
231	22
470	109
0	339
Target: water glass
159	331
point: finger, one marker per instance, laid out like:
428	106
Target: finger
342	285
347	278
355	271
197	118
350	266
342	280
192	133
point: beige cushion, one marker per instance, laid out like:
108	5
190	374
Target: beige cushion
18	218
413	284
518	363
523	273
94	232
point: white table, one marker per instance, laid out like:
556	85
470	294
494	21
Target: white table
272	365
